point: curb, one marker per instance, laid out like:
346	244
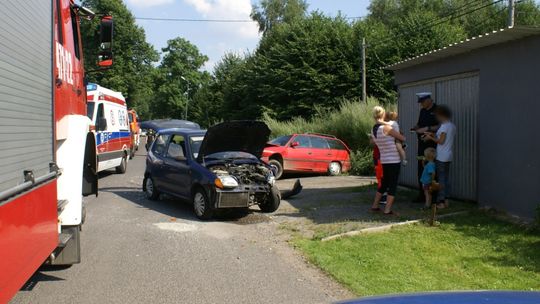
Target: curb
382	228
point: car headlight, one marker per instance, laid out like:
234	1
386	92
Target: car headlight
226	181
270	178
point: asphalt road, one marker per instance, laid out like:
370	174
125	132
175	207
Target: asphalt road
139	251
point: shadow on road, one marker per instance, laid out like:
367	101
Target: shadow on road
105	173
39	276
181	209
167	206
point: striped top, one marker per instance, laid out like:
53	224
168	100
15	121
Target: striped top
387	146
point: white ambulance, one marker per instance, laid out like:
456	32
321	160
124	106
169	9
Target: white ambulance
108	112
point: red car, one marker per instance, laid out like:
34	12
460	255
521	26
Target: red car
307	153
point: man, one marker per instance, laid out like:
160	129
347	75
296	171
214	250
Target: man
427	122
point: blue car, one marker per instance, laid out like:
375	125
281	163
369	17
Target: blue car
455	297
215	169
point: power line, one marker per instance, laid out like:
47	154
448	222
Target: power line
432	25
492	17
431	22
208	20
455	11
438	20
442	21
469	12
195	20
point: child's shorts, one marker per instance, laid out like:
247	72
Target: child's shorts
426	186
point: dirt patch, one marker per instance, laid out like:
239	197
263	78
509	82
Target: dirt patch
241	216
250	219
332	205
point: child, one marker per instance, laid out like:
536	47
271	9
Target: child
428	175
391	119
378	166
444	138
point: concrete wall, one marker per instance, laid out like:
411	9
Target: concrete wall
509	119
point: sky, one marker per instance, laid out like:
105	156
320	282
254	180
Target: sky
215	39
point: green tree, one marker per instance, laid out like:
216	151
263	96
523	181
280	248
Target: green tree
232	81
528	13
397	30
304	65
473	16
207	104
178	78
271	12
132	70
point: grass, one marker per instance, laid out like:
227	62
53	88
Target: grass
467	252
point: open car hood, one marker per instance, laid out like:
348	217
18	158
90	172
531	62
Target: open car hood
238	136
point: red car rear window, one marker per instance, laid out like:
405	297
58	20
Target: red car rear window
319	143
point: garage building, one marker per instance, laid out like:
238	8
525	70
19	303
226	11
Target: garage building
492	84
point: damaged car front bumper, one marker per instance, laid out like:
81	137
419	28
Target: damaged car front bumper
242	196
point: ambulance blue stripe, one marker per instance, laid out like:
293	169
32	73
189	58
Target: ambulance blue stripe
104	137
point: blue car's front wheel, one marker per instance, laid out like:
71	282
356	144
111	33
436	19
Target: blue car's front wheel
150	189
272	201
201	205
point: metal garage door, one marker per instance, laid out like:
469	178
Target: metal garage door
408	110
461	94
26	139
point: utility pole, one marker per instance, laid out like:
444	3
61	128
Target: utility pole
187	102
511	12
364	89
187	97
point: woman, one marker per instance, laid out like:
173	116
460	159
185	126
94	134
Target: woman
444	138
385	138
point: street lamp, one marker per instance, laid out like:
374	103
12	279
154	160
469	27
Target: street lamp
187	97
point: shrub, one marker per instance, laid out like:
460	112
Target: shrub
362	162
350	123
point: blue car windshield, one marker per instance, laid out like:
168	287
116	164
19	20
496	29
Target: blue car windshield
195	144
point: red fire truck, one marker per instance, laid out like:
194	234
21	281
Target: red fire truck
47	150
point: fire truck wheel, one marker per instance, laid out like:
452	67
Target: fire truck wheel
123	165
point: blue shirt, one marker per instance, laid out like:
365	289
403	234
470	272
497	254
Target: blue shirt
429	169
